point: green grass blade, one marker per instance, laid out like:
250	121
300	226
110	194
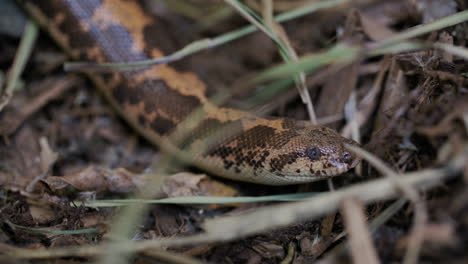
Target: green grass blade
427	28
55	232
309	63
201	200
28	39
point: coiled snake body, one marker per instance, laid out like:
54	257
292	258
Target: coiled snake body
159	102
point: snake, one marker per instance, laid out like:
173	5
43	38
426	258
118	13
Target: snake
171	109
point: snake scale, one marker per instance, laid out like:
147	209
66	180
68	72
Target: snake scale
159	101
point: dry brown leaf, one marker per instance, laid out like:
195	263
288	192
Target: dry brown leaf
374	29
269	250
41	214
66	240
327	225
440	234
17	112
311	246
389	12
96	179
48	156
48	159
189	184
338	87
182	184
19	162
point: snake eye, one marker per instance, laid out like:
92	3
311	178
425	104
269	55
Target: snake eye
346	156
313	153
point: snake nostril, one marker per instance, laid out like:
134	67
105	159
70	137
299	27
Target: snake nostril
347	158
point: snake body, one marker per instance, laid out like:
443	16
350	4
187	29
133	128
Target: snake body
159	102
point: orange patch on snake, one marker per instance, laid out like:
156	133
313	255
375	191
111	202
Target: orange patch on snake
111	12
96	54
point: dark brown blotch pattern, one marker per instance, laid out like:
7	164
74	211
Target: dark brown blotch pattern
277	164
162	125
312	171
238	157
158	35
142	120
249	148
265	136
212	131
78	37
156	95
168	100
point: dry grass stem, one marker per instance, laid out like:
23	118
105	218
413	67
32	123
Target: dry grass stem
362	249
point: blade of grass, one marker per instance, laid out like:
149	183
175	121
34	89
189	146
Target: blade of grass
309	63
55	232
300	78
200	200
285	49
397	48
22	55
419	30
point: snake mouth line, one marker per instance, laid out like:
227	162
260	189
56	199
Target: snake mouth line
327	174
301	179
337	170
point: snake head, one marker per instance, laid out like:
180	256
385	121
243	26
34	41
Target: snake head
316	153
